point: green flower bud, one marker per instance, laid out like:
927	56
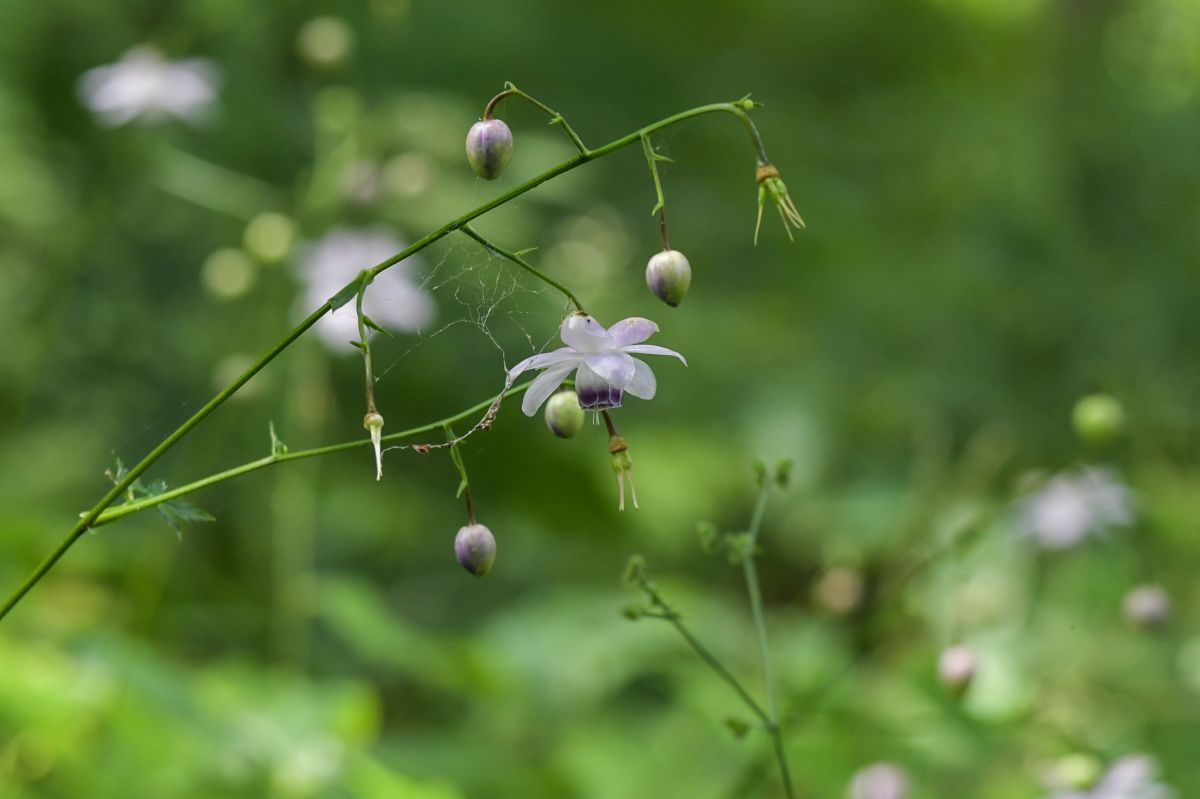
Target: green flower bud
489	147
475	548
669	275
1098	418
564	416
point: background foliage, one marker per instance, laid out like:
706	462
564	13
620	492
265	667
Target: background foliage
1001	199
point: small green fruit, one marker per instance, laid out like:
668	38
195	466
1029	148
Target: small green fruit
489	147
564	416
669	275
1098	418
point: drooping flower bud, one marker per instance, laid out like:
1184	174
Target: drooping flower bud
373	423
564	416
956	667
1098	418
669	275
1147	606
489	147
475	548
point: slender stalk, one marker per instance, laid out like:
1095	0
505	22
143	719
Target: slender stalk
121	511
666	613
521	262
660	207
510	90
585	155
760	627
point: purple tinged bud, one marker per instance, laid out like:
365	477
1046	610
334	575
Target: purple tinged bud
957	666
489	147
475	548
669	275
564	415
1147	606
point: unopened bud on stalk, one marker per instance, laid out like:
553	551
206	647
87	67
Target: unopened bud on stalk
373	423
475	548
669	275
489	147
564	416
957	666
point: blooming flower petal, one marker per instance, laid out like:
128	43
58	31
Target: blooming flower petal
543	360
633	330
543	386
652	349
643	385
595	393
585	334
614	367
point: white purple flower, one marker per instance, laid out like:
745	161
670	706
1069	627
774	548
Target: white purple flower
144	85
394	299
1070	507
602	360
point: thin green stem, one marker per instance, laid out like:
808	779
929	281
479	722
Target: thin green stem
364	343
121	511
668	614
521	262
510	90
660	207
760	627
584	156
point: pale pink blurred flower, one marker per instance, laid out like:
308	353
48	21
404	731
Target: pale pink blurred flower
145	86
1130	777
394	300
879	781
1072	506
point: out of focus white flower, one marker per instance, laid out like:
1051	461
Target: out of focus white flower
144	85
879	781
1130	777
1070	507
1147	605
394	299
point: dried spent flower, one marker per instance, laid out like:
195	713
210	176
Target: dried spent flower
669	276
623	468
564	416
373	423
475	548
489	147
771	186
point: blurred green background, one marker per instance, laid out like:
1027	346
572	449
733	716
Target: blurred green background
1002	199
